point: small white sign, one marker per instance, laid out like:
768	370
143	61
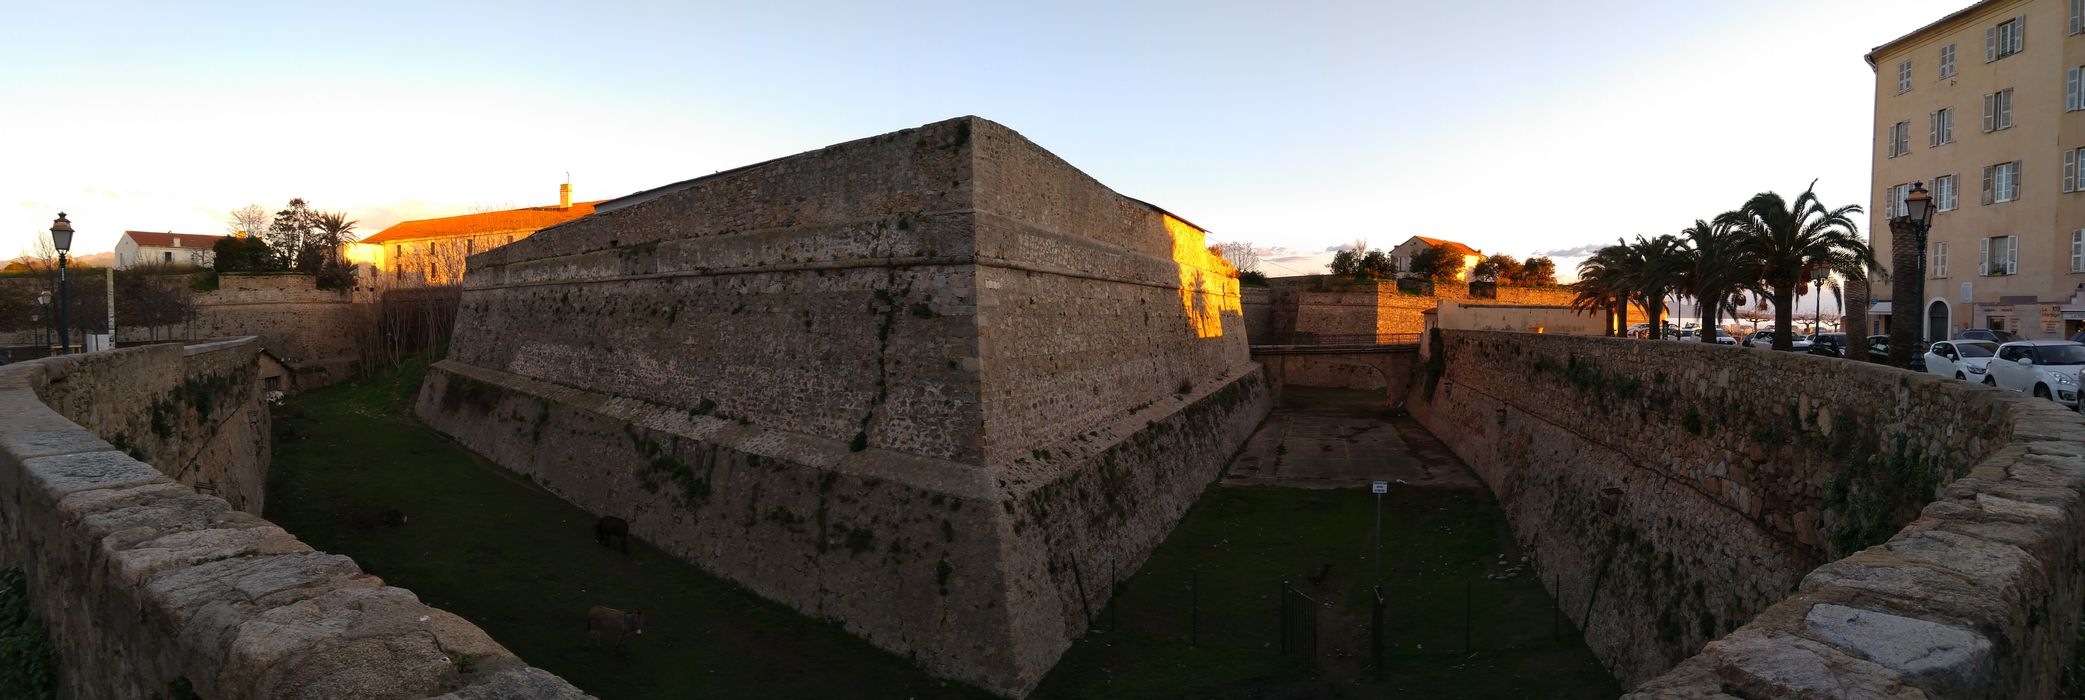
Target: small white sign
1380	487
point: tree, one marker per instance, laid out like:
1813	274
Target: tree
1710	265
1433	264
332	231
251	220
1375	264
1604	284
1346	263
1537	270
1653	277
1497	268
1240	255
1790	237
248	254
290	234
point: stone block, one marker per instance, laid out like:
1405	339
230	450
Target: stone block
1941	659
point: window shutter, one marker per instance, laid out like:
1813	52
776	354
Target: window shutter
2012	190
2019	34
2070	170
2070	90
1987	184
1983	249
2012	254
1990	44
1990	112
1932	129
2078	250
2076	6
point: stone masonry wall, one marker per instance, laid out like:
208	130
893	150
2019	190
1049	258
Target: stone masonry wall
1301	306
205	425
1681	491
311	329
146	586
768	371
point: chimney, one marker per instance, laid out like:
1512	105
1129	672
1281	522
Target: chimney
564	196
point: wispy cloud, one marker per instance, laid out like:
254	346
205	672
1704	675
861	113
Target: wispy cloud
1577	252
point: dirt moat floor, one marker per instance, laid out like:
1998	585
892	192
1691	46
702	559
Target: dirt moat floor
1203	618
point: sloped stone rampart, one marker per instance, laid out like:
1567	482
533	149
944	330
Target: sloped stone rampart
147	587
1761	524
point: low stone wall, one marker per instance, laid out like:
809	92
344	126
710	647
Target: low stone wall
148	588
1671	493
973	577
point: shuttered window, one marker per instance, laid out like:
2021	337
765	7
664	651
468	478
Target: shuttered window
1944	193
2070	91
1940	127
2074	170
2005	39
1947	58
2001	255
2078	250
2077	16
1904	77
1983	255
2005	183
1998	110
1939	259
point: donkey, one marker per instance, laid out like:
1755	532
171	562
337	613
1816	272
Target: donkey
610	527
616	622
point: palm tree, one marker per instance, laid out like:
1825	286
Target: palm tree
1709	265
1605	284
334	230
1651	278
1787	238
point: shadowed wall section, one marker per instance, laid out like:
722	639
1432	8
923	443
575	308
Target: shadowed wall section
929	384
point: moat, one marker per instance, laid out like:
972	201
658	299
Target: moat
1201	618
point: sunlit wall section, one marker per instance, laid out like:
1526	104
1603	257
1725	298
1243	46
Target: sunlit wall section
1208	283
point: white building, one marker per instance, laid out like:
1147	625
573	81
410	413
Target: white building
147	248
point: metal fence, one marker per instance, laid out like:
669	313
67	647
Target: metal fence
1299	623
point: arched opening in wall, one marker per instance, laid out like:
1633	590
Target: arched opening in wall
1938	319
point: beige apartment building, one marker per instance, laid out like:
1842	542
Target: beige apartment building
1984	106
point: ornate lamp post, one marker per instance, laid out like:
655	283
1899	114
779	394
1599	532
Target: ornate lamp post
1908	282
61	238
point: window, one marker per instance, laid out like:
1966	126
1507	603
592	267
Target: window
1893	201
1998	110
2005	39
2073	165
2001	255
1904	77
1900	139
1940	126
2078	250
1944	193
2071	99
2077	16
1947	58
2001	182
168	256
1939	259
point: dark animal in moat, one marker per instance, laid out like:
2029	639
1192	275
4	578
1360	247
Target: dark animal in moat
612	527
621	624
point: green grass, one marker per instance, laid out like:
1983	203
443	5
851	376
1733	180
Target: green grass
494	548
488	545
1245	540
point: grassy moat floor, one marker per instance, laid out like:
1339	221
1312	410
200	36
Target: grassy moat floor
502	552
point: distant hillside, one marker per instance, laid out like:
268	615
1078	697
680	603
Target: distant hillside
83	260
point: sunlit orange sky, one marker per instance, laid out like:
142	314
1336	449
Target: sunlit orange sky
1523	128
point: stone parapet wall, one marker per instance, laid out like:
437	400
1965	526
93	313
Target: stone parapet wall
971	577
311	329
1680	491
1306	306
150	589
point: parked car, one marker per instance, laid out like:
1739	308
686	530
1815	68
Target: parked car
1879	353
1961	359
2045	368
1721	337
1829	344
1765	339
1991	334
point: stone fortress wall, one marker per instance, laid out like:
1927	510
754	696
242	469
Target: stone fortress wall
149	589
1779	509
928	384
311	329
1314	305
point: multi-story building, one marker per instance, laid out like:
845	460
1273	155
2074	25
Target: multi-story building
433	251
1986	108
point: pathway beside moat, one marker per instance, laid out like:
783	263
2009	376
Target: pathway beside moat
514	559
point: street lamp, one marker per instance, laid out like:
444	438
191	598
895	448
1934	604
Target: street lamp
61	238
1909	290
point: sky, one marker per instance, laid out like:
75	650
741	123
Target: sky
1522	128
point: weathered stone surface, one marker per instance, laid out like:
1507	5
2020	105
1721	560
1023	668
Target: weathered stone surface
924	384
1945	660
1976	594
142	582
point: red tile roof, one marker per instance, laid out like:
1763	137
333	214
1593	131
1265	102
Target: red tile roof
530	219
166	240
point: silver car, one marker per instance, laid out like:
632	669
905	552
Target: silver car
1961	359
